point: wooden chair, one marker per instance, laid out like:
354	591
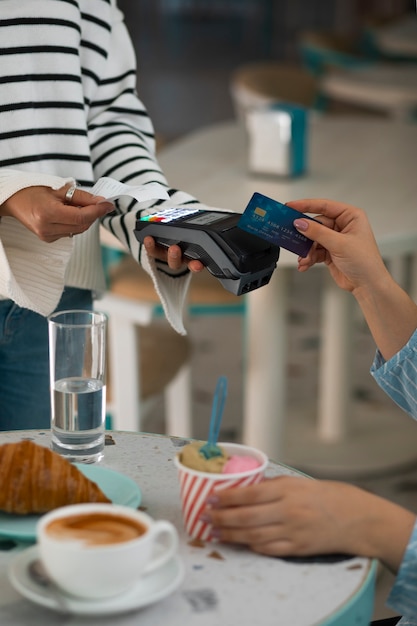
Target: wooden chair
265	82
352	76
321	50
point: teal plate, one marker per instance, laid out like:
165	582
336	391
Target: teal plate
120	489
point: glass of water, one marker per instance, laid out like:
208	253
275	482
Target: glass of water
77	365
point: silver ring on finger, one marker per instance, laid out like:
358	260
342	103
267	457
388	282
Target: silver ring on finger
70	192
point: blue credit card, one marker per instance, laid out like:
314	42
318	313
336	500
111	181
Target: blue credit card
273	221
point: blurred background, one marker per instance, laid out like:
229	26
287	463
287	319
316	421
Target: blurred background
192	57
201	62
187	50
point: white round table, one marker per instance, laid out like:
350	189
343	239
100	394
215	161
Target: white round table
237	587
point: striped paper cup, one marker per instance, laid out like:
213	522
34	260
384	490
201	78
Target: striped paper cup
196	487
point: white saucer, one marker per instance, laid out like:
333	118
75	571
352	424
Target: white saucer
150	589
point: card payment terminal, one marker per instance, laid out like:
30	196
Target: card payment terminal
241	261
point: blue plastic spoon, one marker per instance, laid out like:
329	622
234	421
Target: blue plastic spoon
211	449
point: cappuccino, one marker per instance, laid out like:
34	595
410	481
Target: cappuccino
101	550
96	529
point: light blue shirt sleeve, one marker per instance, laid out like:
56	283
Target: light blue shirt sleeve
403	595
398	376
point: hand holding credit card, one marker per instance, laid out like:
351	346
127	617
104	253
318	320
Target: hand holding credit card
273	221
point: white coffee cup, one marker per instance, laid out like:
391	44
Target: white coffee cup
101	550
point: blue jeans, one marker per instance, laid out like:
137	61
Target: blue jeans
24	362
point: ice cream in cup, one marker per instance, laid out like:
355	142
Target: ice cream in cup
199	477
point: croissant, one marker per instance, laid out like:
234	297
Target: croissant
35	480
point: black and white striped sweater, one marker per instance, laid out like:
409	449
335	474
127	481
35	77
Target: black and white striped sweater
69	110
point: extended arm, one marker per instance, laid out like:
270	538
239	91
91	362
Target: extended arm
345	242
291	516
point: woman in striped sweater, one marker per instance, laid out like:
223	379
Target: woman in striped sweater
68	112
294	516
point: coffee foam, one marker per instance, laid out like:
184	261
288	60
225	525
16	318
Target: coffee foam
96	529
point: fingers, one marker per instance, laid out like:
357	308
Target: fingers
335	217
70	220
315	231
257	537
264	528
253	524
48	214
250	517
70	192
154	251
74	196
73	221
195	266
281	516
173	256
276	547
317	254
269	490
318	230
328	208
